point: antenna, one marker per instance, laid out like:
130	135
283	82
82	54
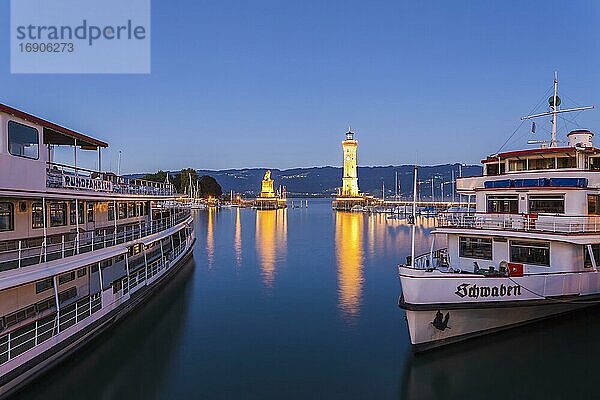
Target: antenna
554	102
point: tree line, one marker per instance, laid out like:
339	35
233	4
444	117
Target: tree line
206	184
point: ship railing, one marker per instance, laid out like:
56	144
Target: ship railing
63	176
27	337
431	260
546	223
27	252
24	338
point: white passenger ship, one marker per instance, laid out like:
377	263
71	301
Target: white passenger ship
79	249
530	250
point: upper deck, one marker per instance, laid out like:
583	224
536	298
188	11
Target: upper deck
525	169
27	149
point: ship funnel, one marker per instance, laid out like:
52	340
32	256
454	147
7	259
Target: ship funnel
580	138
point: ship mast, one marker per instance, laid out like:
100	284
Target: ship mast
554	103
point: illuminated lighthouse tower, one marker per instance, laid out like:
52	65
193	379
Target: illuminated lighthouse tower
350	177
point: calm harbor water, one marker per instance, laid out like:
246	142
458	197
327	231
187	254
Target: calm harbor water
302	303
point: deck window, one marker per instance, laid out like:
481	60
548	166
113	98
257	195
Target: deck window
517	165
537	253
67	277
58	214
130	210
122	210
593	204
569	162
90	212
37	216
7	217
111	211
547	204
475	247
541	163
43	285
503	204
23	140
67	295
79	212
495	168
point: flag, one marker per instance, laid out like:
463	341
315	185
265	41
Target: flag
533	127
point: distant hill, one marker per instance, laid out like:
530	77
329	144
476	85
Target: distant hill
325	181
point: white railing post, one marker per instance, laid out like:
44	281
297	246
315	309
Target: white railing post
55	281
115	217
20	250
77	218
62	247
93	240
44	224
162	254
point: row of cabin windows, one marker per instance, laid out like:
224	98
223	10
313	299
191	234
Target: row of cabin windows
524	252
48	283
27	312
534	164
128	209
33	310
57	213
552	204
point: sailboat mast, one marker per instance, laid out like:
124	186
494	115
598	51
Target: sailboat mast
414	219
554	107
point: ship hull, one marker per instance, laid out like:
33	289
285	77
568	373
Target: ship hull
27	372
435	327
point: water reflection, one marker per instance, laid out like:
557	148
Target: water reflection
210	239
271	241
237	240
525	363
349	256
133	360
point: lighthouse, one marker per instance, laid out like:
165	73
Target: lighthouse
350	176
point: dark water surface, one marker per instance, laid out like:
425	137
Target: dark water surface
300	304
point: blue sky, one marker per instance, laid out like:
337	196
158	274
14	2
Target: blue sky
276	83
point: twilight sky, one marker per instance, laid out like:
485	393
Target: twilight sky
276	83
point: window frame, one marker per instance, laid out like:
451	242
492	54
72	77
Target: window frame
90	211
528	244
8	125
44	284
64	210
473	253
543	197
508	198
11	216
41	217
81	206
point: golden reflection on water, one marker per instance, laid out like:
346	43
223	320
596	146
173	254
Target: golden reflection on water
349	256
210	239
271	241
237	240
360	239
